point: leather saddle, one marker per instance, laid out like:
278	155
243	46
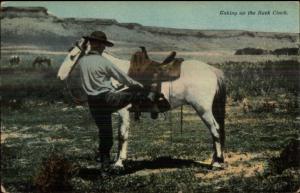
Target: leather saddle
147	71
151	74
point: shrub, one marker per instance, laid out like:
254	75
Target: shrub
261	78
54	175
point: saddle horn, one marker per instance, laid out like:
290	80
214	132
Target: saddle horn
144	51
170	58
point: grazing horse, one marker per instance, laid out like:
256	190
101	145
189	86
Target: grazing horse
40	60
14	60
201	86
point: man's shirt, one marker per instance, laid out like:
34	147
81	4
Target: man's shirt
96	73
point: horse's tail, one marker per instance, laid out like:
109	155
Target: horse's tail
219	104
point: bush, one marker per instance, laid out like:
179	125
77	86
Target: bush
251	51
261	78
54	175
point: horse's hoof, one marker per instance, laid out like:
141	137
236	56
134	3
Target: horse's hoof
218	166
118	164
118	168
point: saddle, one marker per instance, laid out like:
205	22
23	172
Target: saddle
148	71
151	74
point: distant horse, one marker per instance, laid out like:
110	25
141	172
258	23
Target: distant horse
40	60
14	60
200	85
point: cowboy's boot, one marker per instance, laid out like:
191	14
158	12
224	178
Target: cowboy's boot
154	115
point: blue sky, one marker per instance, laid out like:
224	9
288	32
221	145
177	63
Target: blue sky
190	15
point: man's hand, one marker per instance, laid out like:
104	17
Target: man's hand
116	84
140	85
137	86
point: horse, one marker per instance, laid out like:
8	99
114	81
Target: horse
200	85
14	60
40	60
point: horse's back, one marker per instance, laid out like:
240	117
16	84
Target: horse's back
196	68
200	74
198	83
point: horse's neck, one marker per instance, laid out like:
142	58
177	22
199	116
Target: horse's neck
122	64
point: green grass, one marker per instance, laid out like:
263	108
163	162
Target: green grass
38	120
40	130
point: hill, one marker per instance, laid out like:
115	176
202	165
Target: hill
36	28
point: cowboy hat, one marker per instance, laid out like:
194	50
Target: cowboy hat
99	36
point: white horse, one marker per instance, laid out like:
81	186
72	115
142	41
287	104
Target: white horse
201	86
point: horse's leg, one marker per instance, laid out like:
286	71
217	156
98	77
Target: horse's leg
124	121
214	128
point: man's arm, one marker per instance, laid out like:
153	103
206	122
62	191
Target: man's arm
120	76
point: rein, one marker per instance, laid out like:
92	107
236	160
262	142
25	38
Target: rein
170	115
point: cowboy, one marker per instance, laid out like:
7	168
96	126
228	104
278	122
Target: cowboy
103	99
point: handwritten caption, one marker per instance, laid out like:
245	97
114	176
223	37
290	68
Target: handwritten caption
258	13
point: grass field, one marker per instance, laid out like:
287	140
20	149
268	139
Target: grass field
159	160
45	125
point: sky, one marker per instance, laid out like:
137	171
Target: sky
180	14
